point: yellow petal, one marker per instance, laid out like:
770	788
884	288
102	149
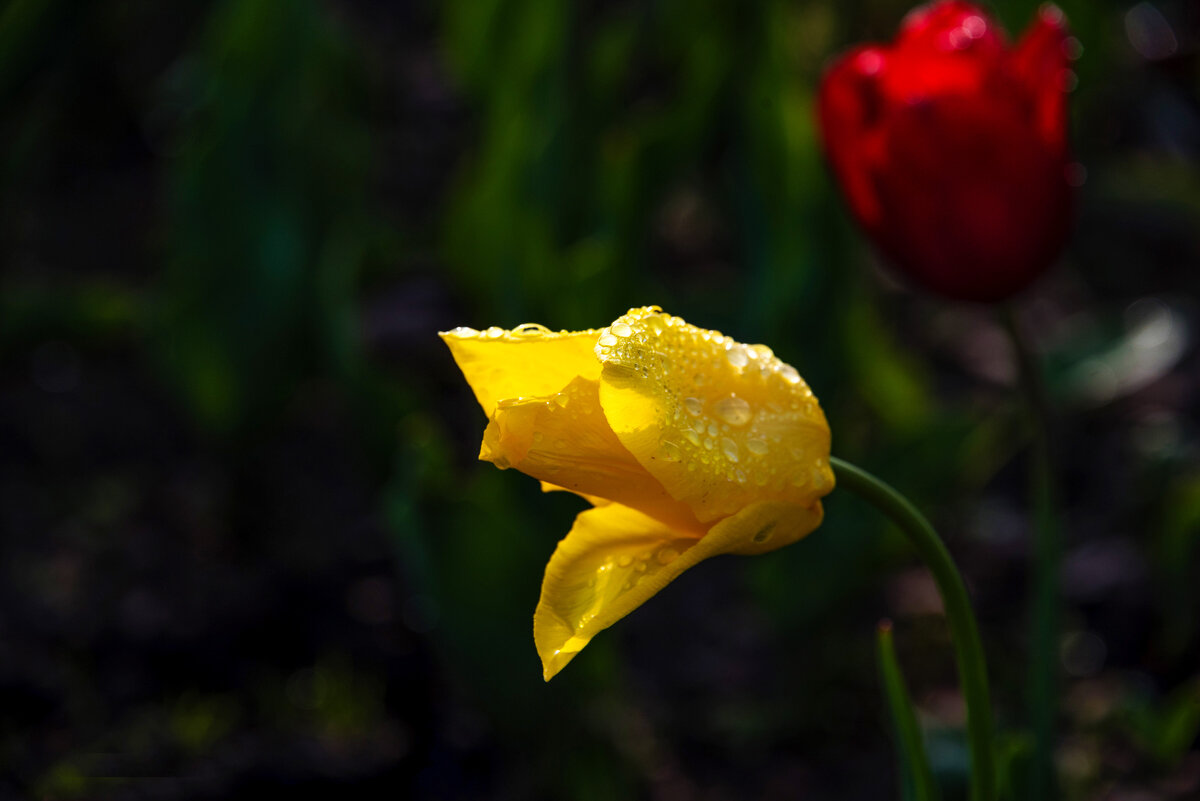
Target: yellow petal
615	559
527	361
718	423
564	440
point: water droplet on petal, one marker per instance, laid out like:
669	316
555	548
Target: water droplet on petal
561	400
818	479
789	374
737	356
495	332
974	26
734	410
464	331
691	436
607	340
712	429
670	451
729	448
667	555
625	561
695	406
621	330
757	447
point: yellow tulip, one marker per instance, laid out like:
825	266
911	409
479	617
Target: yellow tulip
687	444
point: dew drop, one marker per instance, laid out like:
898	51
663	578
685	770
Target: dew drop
737	356
561	400
974	26
734	410
789	374
655	324
708	444
712	429
621	330
695	406
607	340
464	331
667	555
670	451
692	437
818	479
729	448
741	476
757	447
495	332
625	561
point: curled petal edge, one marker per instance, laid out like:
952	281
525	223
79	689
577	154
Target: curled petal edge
615	558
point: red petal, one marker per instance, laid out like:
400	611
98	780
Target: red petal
977	206
850	107
950	25
944	47
1040	65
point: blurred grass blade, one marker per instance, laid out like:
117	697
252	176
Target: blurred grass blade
1180	724
916	777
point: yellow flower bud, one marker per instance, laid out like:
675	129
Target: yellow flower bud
687	443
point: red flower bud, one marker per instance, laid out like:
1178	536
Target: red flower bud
951	147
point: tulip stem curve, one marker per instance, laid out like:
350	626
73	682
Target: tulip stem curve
1047	557
968	647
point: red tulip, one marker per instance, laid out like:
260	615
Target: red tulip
951	147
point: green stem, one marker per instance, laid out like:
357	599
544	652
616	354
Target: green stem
1043	667
968	648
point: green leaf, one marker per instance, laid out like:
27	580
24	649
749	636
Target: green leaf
916	776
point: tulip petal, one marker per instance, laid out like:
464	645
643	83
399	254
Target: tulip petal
1039	65
565	440
615	559
977	211
527	361
948	25
717	423
943	47
851	107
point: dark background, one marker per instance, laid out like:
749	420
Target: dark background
244	543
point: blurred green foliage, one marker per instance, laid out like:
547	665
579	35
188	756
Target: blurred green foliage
271	95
